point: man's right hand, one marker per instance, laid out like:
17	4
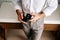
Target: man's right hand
20	17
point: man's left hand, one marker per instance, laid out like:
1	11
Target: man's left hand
36	17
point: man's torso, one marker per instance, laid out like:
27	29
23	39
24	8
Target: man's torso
32	5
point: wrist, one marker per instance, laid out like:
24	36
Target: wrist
41	15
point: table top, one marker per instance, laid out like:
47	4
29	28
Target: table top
16	21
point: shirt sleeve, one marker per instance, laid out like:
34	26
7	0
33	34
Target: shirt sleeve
52	5
16	4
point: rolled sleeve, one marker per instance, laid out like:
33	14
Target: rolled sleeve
52	5
16	4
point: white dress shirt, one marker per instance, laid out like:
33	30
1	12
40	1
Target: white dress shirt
29	6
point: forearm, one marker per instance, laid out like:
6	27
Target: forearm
52	6
19	13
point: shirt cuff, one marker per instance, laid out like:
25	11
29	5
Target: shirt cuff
47	13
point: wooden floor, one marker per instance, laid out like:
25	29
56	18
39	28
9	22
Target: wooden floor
18	34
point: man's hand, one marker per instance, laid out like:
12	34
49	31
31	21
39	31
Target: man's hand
20	16
37	16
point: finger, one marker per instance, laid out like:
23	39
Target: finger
22	16
21	20
33	14
32	20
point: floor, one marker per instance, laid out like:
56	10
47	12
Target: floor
18	34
